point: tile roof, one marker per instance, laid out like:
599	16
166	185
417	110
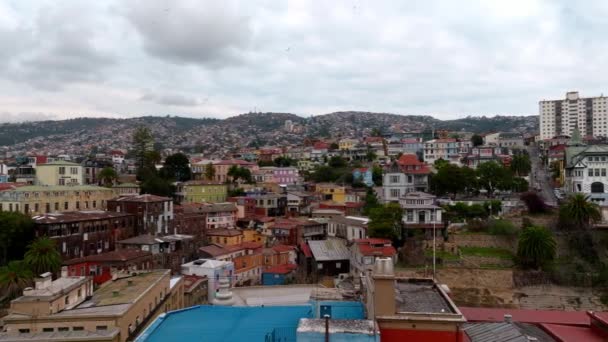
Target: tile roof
384	249
117	255
223	232
145	198
77	216
305	250
283	248
281	269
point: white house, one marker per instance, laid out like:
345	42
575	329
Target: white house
348	228
420	211
363	254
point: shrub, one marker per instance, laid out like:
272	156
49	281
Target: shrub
502	227
477	226
534	203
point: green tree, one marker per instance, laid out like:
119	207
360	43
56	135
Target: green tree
237	172
284	161
494	176
377	175
143	142
42	256
158	186
16	232
536	247
447	180
439	163
334	146
107	176
236	192
520	184
209	172
262	163
14	277
337	162
386	221
371	201
177	167
578	213
370	156
477	140
520	164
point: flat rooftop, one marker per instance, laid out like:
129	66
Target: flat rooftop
420	295
124	290
339	326
284	295
57	287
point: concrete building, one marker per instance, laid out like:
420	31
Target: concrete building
213	270
347	143
407	174
82	233
586	169
331	192
67	309
216	215
448	149
59	173
202	192
38	199
247	257
104	266
154	213
364	175
410	309
364	252
561	117
348	228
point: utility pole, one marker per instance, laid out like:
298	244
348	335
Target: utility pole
434	237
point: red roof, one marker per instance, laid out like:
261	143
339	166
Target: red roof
306	249
281	269
372	139
320	145
370	250
410	140
10	186
117	153
233	162
283	248
361	169
578	318
373	241
40	160
567	333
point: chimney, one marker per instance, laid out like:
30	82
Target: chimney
508	318
44	281
384	287
64	271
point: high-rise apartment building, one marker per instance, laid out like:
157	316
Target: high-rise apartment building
561	117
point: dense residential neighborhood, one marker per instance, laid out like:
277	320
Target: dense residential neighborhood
345	213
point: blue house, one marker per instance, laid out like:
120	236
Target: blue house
364	175
3	178
278	275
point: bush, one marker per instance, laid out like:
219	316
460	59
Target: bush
477	226
534	203
502	227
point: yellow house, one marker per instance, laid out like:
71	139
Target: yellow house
331	192
347	144
225	237
204	192
38	199
59	173
252	235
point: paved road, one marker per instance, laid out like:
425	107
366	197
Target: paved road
540	177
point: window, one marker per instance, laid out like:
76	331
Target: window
101	327
603	172
338	265
56	206
597	172
590	173
67	300
320	266
395	192
24	331
48	329
63	329
74	170
62	170
78	328
410	215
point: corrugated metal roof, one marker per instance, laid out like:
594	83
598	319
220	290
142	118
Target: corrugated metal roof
494	332
330	249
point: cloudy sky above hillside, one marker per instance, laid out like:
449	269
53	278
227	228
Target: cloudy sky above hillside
449	59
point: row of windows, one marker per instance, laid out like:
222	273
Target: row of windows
73	170
596	172
48	206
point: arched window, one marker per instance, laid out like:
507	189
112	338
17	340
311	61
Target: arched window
597	187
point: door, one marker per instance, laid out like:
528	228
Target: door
421	216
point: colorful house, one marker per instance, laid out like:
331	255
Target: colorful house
363	175
203	192
225	237
331	192
279	275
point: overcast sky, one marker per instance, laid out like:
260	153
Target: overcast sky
449	59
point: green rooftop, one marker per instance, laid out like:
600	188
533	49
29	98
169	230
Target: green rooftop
127	290
29	188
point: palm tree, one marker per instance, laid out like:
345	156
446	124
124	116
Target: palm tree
536	247
14	278
107	176
578	212
43	256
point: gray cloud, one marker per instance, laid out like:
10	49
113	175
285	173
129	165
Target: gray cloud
200	32
26	116
437	57
171	100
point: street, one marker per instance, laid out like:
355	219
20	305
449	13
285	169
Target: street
540	178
